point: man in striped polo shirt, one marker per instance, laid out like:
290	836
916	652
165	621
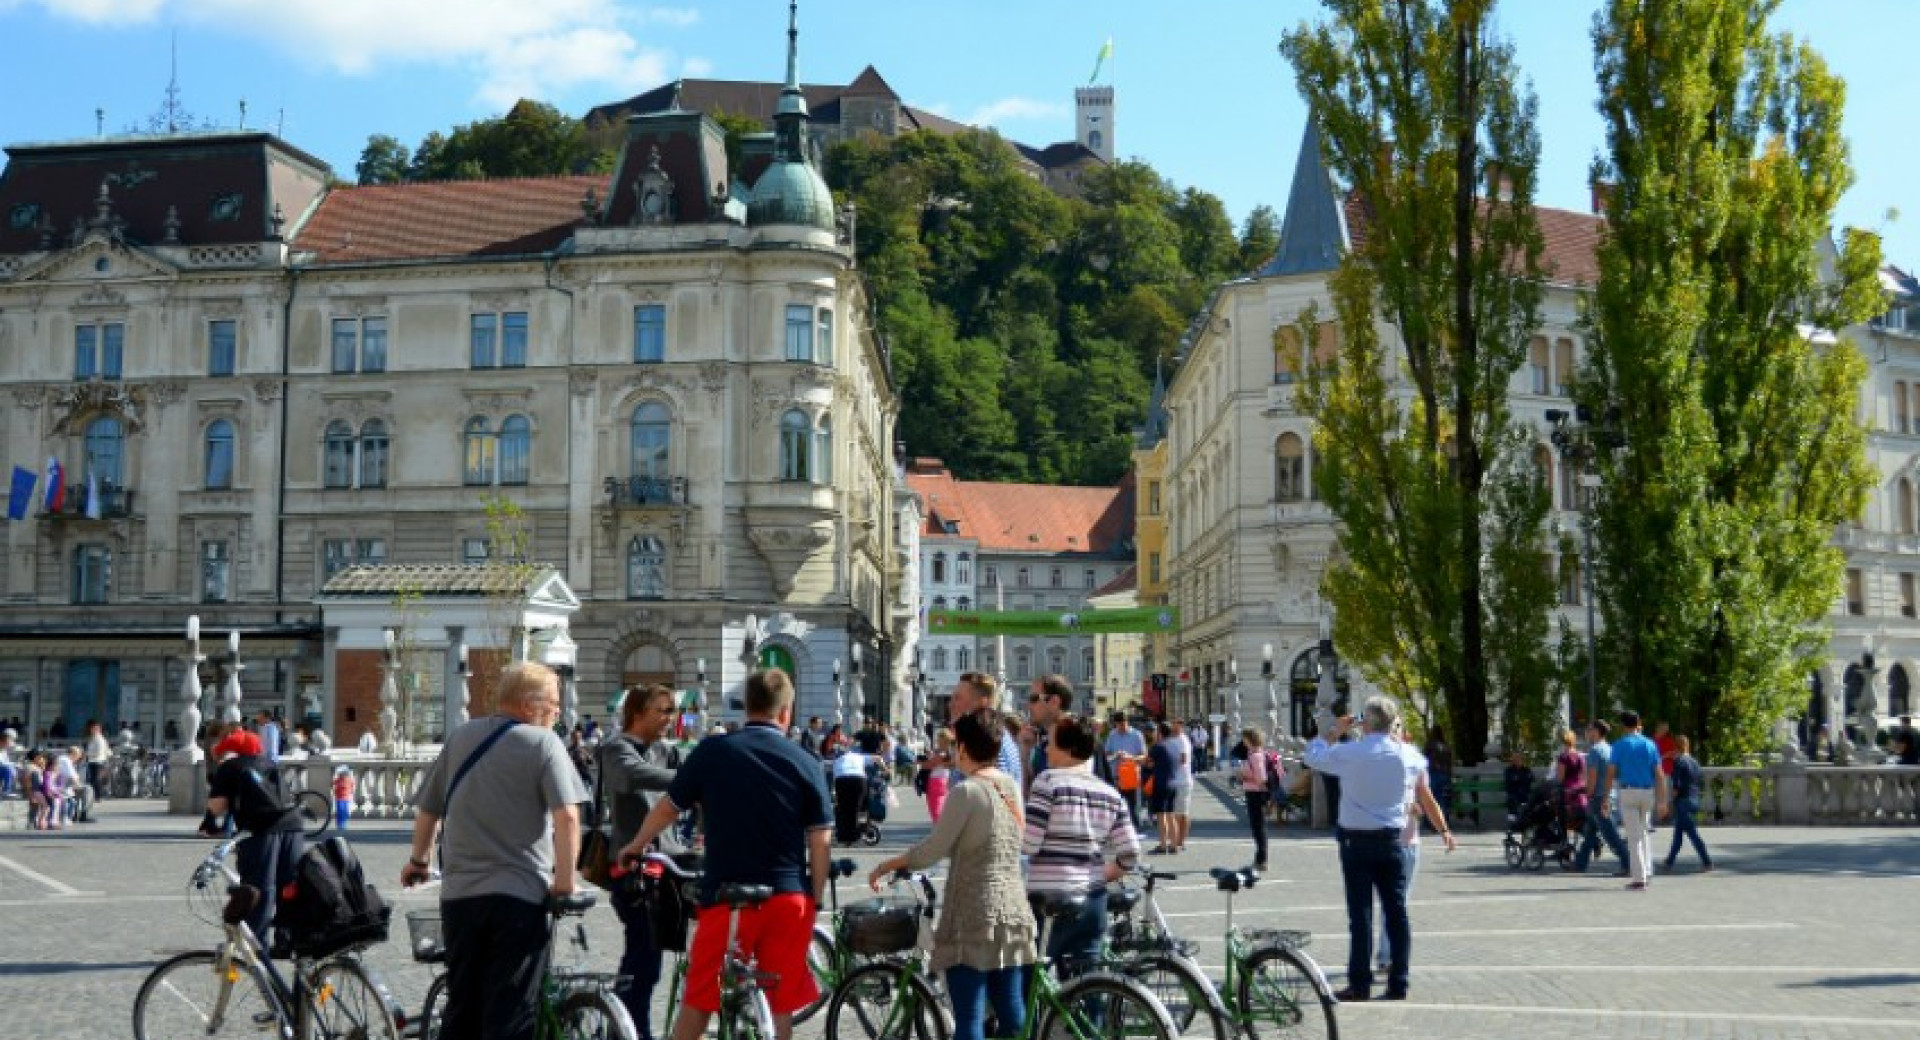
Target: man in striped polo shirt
1078	838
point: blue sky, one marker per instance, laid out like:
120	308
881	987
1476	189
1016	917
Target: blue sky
1201	90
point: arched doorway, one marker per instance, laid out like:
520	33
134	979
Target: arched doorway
1899	692
774	655
1304	684
646	665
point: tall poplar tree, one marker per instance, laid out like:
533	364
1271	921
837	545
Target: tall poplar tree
1422	117
1742	448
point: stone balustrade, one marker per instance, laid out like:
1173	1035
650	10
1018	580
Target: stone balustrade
384	789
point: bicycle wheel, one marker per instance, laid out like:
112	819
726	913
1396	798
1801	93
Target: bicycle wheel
316	812
1104	1007
193	995
820	962
594	1014
1283	995
1536	857
746	1017
427	1026
120	784
869	1005
1516	853
207	895
1185	993
869	834
346	1004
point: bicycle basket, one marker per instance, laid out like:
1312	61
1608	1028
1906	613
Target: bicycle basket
1292	939
423	935
876	928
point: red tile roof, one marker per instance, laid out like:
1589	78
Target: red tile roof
1030	518
1572	240
512	217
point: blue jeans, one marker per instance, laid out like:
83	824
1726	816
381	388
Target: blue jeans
1385	954
1599	828
969	990
1374	863
1076	937
1685	826
639	962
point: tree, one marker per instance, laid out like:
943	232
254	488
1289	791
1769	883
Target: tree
383	161
1742	451
1259	239
1418	107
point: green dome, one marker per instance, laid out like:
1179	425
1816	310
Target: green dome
791	192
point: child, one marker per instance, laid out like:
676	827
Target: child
36	781
342	796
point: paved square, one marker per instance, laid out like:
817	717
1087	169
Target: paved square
1801	933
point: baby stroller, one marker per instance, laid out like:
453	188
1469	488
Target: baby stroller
1541	829
873	812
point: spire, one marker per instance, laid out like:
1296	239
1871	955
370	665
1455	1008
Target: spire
792	101
1154	429
1313	233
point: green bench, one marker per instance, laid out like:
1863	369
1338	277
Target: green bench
1476	796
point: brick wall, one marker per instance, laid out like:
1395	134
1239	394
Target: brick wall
356	689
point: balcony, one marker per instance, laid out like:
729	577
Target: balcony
116	503
645	492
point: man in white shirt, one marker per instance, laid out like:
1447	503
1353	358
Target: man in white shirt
1179	787
849	794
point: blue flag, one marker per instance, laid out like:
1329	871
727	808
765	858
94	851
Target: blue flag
21	495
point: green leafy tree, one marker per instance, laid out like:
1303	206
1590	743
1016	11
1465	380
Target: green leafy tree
1419	107
383	161
1259	239
1742	451
531	140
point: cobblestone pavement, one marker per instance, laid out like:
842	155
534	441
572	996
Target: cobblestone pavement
1801	933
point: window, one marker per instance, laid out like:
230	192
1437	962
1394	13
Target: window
106	452
1856	593
98	349
219	455
1902	420
795	432
651	441
823	452
1153	568
1056	661
373	454
215	568
516	444
338	452
1563	367
799	332
1569	486
475	551
92	573
965	603
1093	141
482	452
1092	579
1021	578
1086	665
1023	663
965	661
1153	498
990	576
359	344
221	339
939	602
939	568
1289	469
1058	578
650	333
646	568
940	659
1906	596
963	569
1570	580
499	340
337	554
823	337
1539	374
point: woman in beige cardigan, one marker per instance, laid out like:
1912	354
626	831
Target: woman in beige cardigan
985	938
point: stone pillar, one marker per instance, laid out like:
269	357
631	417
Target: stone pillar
186	765
1791	794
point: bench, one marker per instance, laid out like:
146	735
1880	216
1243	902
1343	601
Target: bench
1476	795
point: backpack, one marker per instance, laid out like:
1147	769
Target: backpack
330	905
1128	775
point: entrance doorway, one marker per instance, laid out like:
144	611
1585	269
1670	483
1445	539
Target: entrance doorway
93	692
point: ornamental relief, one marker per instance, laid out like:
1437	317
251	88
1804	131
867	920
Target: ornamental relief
266	391
581	382
222	308
713	376
499	401
30	397
654	378
84	400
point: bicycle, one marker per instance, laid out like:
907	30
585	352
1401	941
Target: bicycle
885	938
236	990
895	997
1273	982
744	1011
316	812
829	957
574	1004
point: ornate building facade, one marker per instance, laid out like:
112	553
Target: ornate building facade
264	382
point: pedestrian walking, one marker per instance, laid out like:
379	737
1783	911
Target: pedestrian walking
1635	773
1375	787
1127	750
849	795
1687	787
1599	826
1161	766
1179	789
977	690
1261	779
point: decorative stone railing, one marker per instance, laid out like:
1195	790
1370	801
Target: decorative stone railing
239	255
383	789
1739	795
1873	795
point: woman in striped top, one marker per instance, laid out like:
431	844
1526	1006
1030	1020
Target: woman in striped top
1078	838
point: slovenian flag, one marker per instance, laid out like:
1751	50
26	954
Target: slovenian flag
56	487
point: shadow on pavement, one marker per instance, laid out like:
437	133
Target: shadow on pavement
69	968
1856	982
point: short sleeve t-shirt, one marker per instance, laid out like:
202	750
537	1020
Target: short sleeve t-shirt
250	785
1599	756
850	766
760	796
1637	760
497	835
1128	743
1182	750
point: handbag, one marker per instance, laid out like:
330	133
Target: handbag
595	864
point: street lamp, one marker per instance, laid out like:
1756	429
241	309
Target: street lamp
1273	694
859	692
465	669
561	656
231	713
839	698
389	691
1580	439
700	681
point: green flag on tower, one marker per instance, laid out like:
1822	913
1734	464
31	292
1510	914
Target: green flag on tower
1106	51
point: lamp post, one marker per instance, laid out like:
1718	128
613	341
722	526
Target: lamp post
231	712
561	656
858	693
700	683
839	698
1580	439
1273	694
466	693
389	692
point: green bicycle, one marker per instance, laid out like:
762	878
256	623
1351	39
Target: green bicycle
744	1011
890	976
1276	988
574	1004
829	955
894	999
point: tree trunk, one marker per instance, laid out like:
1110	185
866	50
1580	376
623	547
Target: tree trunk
1470	714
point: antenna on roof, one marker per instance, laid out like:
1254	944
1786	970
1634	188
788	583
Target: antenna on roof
99	122
280	123
243	113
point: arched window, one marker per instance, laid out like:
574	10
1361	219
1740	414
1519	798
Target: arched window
964	603
219	455
963	569
795	432
652	442
1569	487
1289	469
482	450
516	445
823	452
337	471
106	452
373	454
939	602
939	658
1903	489
646	568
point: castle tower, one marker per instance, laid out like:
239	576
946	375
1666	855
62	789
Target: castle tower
1093	119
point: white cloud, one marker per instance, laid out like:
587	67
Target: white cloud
695	68
1014	110
512	48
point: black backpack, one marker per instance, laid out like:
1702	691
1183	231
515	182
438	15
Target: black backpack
330	905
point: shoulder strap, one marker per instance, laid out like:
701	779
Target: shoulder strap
485	746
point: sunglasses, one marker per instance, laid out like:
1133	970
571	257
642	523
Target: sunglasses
1035	698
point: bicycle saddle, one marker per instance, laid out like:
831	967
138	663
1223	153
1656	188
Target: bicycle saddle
738	895
1226	879
1060	904
571	903
842	868
241	899
1122	900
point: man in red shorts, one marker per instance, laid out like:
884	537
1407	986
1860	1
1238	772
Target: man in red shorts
768	822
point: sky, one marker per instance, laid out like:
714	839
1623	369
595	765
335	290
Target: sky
1200	89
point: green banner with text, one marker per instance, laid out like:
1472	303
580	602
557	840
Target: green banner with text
1051	622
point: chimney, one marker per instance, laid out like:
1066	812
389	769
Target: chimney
1602	194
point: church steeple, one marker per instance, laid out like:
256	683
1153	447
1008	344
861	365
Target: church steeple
1313	233
791	114
791	191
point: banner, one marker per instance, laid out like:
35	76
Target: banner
1052	622
20	496
56	487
